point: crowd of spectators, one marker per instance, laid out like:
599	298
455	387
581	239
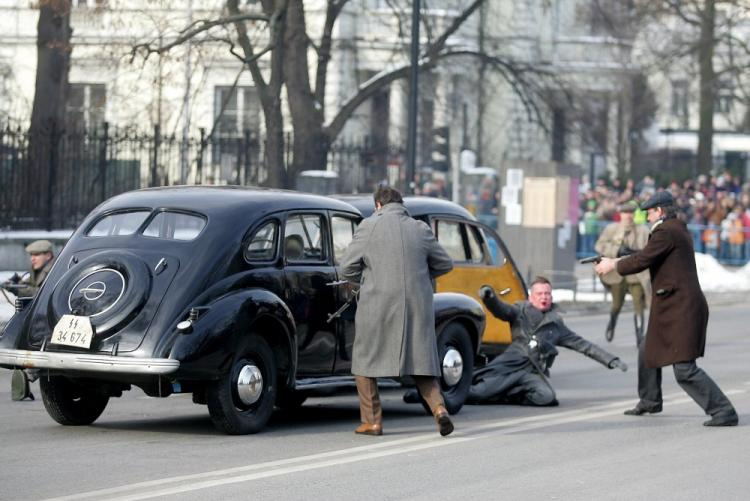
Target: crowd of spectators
715	208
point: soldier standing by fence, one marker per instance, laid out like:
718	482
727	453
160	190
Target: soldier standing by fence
617	240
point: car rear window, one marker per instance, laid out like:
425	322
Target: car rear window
175	226
121	223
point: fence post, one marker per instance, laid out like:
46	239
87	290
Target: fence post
51	171
103	161
199	164
248	151
155	157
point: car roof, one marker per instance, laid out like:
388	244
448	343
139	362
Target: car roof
417	206
223	200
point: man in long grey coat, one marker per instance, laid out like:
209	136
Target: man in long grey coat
394	258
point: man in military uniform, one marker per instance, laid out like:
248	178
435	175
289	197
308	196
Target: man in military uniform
677	324
520	374
42	259
620	239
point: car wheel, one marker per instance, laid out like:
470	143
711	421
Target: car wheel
241	401
456	357
69	403
290	399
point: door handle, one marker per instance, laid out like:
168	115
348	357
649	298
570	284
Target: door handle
504	291
337	283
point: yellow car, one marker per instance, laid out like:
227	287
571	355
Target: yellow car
479	257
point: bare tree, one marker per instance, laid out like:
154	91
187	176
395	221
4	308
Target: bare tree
48	109
285	48
703	32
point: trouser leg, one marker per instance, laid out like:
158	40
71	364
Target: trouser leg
649	383
531	389
636	291
702	388
429	388
618	297
370	411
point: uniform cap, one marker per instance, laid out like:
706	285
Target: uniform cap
629	206
39	247
660	199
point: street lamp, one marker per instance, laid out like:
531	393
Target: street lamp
411	141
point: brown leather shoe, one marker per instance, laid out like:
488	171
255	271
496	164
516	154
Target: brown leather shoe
369	429
443	420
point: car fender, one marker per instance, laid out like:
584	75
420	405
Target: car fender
454	307
207	347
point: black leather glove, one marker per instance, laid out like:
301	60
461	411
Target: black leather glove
618	364
486	292
15	278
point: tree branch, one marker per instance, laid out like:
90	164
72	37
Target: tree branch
192	30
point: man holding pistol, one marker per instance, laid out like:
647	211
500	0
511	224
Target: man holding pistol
677	324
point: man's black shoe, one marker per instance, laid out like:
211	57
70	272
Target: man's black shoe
640	411
411	396
723	419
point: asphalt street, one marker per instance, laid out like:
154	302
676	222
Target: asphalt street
585	449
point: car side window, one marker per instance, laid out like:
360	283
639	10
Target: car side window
303	238
342	231
497	257
262	246
449	236
475	246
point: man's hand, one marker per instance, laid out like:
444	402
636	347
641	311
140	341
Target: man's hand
618	364
606	265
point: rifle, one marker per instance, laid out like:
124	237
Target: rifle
336	314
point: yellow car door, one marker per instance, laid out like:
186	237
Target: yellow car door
479	258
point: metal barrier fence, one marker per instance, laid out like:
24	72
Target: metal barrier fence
707	239
53	180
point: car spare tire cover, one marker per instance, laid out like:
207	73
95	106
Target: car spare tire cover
108	287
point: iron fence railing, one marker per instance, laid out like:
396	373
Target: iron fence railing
52	180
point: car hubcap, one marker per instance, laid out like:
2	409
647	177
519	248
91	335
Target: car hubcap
249	384
453	366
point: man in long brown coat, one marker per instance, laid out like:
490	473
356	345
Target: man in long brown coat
677	324
394	257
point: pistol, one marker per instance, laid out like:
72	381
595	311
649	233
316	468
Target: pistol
592	259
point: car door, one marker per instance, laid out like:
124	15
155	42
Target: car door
479	258
343	226
308	271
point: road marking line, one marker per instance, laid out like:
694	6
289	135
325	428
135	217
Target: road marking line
192	482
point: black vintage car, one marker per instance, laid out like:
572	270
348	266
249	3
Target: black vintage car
223	292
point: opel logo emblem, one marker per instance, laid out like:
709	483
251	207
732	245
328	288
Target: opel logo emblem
93	291
97	292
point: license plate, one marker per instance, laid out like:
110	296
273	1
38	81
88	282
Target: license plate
73	330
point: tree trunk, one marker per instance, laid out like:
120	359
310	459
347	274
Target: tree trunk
311	143
707	88
48	110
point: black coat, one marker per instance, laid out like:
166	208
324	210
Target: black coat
679	312
527	324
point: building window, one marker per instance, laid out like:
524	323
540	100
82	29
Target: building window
236	110
90	4
86	105
679	105
724	97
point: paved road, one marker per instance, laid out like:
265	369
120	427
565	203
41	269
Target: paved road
144	448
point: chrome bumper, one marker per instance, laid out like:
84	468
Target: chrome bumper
87	362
